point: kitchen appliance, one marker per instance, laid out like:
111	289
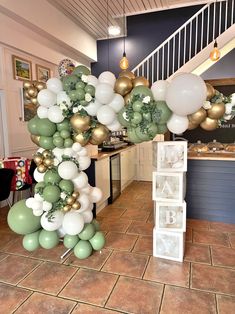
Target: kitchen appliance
115	178
111	146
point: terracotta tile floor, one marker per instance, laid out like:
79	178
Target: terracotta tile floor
123	277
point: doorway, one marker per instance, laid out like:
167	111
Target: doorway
4	149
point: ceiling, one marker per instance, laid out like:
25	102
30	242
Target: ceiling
95	16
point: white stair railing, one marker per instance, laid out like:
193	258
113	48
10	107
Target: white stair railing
198	32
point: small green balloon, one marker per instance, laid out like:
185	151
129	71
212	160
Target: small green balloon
70	241
137	105
68	142
46	127
132	136
46	142
33	125
81	70
65	134
51	193
83	249
52	176
141	134
56	134
97	241
58	141
90	89
21	219
141	91
39	186
162	113
147	116
162	128
87	232
69	82
66	186
152	129
96	224
64	125
80	84
84	103
137	118
48	239
31	241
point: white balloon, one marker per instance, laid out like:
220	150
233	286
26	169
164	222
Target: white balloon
55	114
228	108
63	99
117	103
29	202
54	223
106	115
39	177
42	112
93	107
69	152
61	232
95	195
58	152
115	126
84	201
55	85
37	212
104	93
81	180
84	162
186	94
67	170
92	80
177	124
37	205
73	223
77	147
86	189
107	77
46	206
38	197
159	89
46	98
87	216
82	152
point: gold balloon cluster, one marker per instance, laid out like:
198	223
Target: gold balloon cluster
31	90
44	160
85	132
72	202
126	82
208	119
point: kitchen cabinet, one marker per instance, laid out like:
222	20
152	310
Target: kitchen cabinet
145	161
102	181
128	166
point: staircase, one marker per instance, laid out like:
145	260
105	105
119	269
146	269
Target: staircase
190	45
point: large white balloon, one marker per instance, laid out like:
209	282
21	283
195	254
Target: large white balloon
104	93
95	195
84	162
84	201
186	94
73	223
67	170
80	181
58	152
117	103
93	107
108	78
159	89
42	112
115	126
63	99
46	98
106	115
77	147
38	176
54	223
55	85
92	80
87	216
177	124
55	114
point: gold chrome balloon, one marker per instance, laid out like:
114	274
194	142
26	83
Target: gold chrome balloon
42	168
81	139
99	134
35	139
46	153
216	111
76	205
38	159
66	208
127	98
26	95
140	81
198	116
123	85
70	200
80	123
27	84
39	85
34	100
127	74
75	194
210	91
209	124
48	161
32	91
191	125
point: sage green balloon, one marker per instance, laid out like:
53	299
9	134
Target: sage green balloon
69	82
70	241
58	141
39	187
52	176
136	118
80	84
68	142
83	249
87	232
132	136
152	129
46	127
97	241
33	125
137	105
96	224
77	94
141	91
51	193
21	219
66	186
144	136
31	241
80	70
56	134
65	134
90	89
48	239
84	103
162	128
123	120
162	113
46	142
64	125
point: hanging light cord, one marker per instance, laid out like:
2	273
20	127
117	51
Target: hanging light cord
124	31
108	33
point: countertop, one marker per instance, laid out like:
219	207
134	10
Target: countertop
102	155
229	156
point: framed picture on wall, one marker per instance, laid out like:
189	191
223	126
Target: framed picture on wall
22	69
42	73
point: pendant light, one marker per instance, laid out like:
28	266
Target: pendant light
215	53
124	63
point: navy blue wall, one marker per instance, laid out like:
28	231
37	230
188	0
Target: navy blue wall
145	33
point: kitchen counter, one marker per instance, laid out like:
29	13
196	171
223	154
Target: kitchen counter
229	156
102	155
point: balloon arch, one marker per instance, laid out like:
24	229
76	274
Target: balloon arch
79	109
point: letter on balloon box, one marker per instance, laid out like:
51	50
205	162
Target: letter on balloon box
170	156
168	187
168	245
170	217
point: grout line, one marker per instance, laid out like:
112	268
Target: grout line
216	304
111	291
29	273
147	263
68	282
23	301
161	302
190	275
211	256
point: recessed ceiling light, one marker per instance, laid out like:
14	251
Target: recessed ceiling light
114	30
